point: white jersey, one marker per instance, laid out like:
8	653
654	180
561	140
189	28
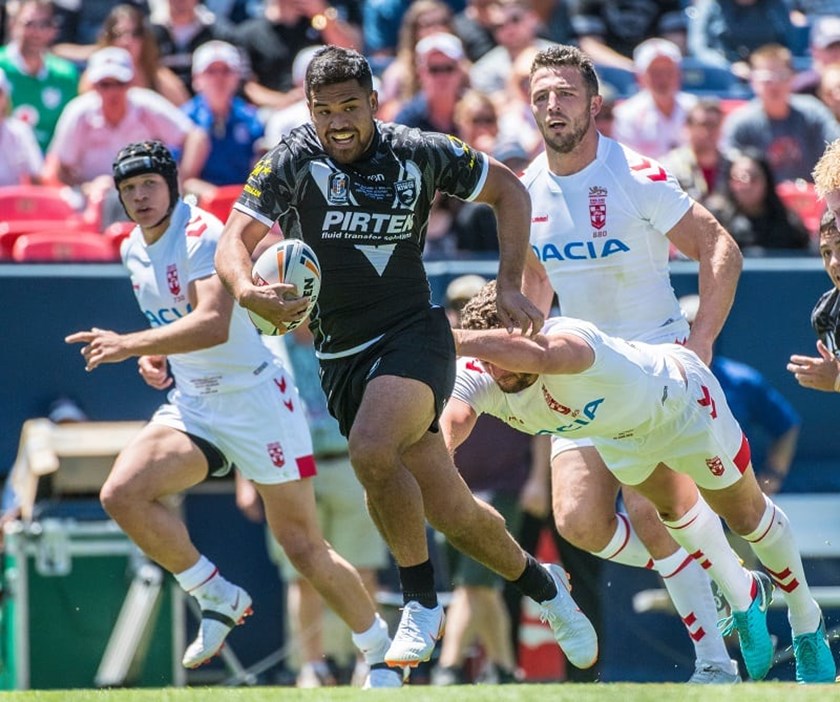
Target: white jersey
629	389
160	276
639	403
601	235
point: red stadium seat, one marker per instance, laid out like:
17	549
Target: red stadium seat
221	202
11	231
61	245
34	202
801	197
116	233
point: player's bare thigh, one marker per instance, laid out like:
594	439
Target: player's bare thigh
583	498
159	461
394	414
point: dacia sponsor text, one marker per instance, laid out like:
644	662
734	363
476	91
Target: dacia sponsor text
579	250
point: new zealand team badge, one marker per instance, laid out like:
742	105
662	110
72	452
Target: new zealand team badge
172	279
406	192
338	189
597	207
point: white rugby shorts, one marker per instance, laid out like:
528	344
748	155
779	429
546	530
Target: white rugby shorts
261	429
702	439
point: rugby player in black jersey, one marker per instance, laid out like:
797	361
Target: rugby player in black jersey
359	192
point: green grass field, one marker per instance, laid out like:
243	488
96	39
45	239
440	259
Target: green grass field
611	692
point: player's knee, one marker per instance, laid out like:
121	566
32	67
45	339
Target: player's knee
372	461
583	531
115	498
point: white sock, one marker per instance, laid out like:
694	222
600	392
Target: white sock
625	546
196	575
773	543
374	641
700	532
690	590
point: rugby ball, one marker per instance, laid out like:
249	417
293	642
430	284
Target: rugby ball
290	261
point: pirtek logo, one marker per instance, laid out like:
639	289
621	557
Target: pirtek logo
374	223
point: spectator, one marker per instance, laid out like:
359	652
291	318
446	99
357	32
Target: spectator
791	129
42	82
97	124
515	27
474	27
829	89
652	121
443	79
234	11
768	419
476	120
697	166
21	160
495	461
273	40
727	32
127	28
281	122
555	23
824	49
517	125
382	20
180	27
80	23
823	372
230	123
609	30
400	81
748	207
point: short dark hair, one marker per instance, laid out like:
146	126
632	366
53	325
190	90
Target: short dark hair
334	64
562	55
828	225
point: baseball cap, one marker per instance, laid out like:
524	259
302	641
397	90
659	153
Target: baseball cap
825	32
463	288
445	43
215	52
650	49
5	85
111	62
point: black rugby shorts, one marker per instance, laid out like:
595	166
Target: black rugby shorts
422	349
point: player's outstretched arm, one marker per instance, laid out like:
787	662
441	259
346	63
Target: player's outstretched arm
205	326
504	192
545	355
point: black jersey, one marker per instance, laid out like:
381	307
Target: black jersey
825	319
366	221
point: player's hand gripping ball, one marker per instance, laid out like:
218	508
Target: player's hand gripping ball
289	261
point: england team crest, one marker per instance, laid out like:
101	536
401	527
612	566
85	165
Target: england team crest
275	453
338	189
172	279
598	207
715	466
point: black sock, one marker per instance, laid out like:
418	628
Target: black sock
536	582
418	583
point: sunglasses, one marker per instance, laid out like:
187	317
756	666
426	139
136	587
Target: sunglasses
483	120
39	24
514	18
137	33
443	69
110	84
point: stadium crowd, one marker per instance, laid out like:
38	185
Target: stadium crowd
741	118
222	82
